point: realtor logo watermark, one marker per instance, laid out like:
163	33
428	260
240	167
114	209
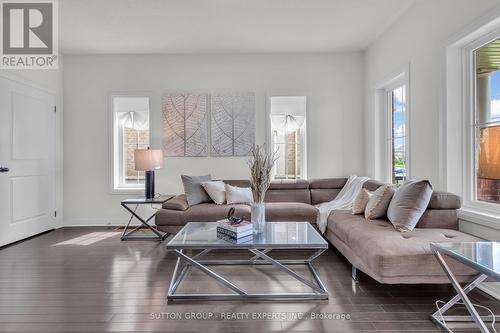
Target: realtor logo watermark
29	34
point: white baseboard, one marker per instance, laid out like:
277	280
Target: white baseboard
97	222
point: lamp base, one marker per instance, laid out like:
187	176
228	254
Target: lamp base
150	184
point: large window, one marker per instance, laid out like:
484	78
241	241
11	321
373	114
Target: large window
130	132
398	150
288	136
487	123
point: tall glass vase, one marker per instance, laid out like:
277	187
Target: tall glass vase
258	217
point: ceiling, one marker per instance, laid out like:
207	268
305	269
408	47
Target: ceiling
223	26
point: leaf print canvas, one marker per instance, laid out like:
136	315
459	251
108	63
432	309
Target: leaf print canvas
184	121
232	124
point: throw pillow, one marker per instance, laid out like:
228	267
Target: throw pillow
241	195
195	193
360	202
379	201
409	204
216	190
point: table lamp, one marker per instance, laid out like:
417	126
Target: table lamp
148	160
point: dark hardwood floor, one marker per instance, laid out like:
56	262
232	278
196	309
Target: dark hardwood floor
87	280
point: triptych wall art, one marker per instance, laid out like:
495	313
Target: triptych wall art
184	118
185	124
232	124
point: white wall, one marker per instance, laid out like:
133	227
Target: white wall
418	38
51	81
333	84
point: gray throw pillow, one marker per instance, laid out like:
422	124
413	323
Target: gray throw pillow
409	204
195	193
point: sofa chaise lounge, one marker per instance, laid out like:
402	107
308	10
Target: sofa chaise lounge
374	246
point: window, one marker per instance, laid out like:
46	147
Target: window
130	132
391	138
469	147
398	151
288	136
486	123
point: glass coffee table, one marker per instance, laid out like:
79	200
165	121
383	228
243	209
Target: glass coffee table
484	257
201	237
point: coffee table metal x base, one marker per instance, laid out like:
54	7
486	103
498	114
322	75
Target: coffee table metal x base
184	263
441	319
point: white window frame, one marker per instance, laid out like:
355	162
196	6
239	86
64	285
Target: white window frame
383	111
456	153
269	132
469	129
114	172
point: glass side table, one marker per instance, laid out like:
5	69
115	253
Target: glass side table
129	235
484	257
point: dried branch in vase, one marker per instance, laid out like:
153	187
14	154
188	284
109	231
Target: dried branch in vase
261	165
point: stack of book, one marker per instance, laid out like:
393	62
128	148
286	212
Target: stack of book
235	233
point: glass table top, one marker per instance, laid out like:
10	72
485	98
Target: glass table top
142	200
483	256
203	235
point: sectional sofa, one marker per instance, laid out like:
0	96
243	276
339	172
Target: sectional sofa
373	247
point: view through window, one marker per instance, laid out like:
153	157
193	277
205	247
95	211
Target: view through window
487	123
131	132
288	135
397	123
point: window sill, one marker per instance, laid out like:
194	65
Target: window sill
486	219
124	191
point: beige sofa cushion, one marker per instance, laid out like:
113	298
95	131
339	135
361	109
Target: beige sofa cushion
289	184
379	201
439	218
216	189
290	211
327	183
389	254
360	202
209	212
325	189
445	200
287	190
179	202
170	217
238	195
320	195
372	185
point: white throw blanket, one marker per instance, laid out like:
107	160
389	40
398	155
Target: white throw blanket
344	200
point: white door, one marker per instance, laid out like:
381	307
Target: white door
27	188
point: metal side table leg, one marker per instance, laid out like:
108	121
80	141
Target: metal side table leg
128	236
461	294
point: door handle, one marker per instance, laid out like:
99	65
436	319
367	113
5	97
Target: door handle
2	170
